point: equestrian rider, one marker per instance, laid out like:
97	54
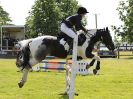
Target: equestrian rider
68	24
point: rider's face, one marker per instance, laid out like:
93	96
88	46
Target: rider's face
83	15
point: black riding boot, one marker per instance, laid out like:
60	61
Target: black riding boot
70	43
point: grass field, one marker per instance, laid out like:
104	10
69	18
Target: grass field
114	82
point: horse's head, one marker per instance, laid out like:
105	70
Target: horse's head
106	38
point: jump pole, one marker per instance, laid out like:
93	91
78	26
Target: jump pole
74	68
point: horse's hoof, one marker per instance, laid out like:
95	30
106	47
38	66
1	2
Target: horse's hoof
76	94
20	85
94	71
88	66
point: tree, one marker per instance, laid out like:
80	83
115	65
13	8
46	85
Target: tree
4	17
125	10
46	15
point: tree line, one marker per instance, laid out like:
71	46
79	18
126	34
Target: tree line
46	15
125	31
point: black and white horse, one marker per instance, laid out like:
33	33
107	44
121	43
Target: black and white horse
33	51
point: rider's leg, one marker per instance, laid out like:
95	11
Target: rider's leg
68	31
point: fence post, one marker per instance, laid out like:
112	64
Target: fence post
118	52
74	68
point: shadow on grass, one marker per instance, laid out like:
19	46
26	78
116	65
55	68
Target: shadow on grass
63	96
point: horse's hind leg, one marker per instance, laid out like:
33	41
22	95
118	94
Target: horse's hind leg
24	78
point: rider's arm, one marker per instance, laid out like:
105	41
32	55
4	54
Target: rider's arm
78	25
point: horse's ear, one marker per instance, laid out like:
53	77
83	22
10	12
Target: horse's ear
107	29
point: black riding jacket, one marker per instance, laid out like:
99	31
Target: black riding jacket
74	20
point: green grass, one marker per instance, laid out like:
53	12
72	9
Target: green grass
114	82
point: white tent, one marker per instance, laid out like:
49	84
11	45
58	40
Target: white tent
11	32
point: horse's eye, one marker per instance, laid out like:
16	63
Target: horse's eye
20	56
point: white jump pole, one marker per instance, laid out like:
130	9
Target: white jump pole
74	68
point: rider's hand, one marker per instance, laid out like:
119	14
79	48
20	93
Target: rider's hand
86	31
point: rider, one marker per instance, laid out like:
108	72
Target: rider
68	24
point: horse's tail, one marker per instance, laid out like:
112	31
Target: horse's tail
21	44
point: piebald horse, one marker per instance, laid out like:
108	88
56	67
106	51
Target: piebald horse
33	51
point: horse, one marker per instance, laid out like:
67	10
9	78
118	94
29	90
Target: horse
33	51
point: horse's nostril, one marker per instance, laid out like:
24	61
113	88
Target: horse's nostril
16	63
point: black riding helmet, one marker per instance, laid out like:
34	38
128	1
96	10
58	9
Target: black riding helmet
82	10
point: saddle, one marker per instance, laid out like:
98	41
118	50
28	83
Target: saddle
69	40
66	38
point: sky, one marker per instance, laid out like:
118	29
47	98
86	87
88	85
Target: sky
105	10
107	14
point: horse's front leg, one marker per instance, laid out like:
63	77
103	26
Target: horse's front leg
97	69
95	58
24	77
91	63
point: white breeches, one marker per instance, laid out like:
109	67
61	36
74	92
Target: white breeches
67	31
